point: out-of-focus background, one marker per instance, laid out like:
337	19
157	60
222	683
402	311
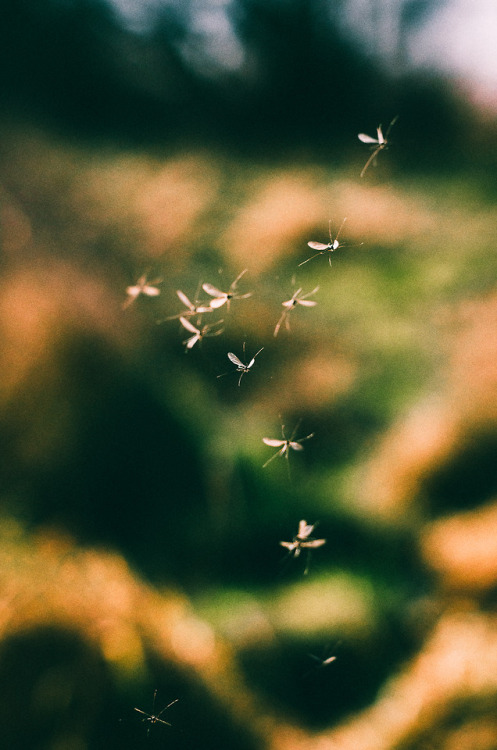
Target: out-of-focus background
186	141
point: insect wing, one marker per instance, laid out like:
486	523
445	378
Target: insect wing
218	302
318	245
313	544
307	302
189	326
274	443
190	343
367	138
305	529
233	358
150	291
289	545
184	299
327	661
381	139
212	290
296	446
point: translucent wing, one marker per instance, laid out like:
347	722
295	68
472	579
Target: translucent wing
288	545
212	290
289	303
318	245
190	343
184	299
274	443
218	302
305	529
313	544
233	358
151	291
380	134
367	138
296	446
189	326
133	291
307	302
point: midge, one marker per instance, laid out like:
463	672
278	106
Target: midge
285	445
290	304
220	298
323	248
155	718
378	144
142	286
192	308
198	333
322	662
240	366
303	541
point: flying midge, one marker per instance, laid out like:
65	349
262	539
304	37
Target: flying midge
155	718
323	248
290	304
323	662
220	298
380	143
198	333
303	541
142	286
285	445
192	308
240	366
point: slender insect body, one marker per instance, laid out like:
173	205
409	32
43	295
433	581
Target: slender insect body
290	304
142	286
380	143
221	298
198	333
155	718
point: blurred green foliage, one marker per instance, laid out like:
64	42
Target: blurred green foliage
116	439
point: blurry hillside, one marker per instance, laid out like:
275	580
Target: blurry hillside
139	530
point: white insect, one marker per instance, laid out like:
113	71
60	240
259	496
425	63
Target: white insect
285	445
289	305
192	308
240	366
378	144
323	662
220	298
155	718
142	286
303	541
323	248
198	333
